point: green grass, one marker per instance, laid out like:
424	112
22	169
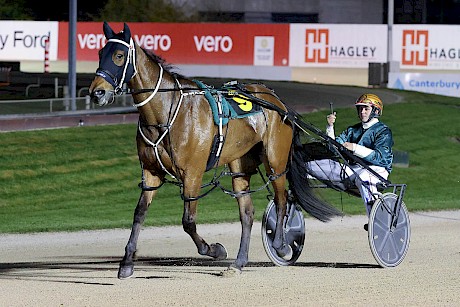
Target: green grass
86	177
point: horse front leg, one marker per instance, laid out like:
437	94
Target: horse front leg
126	268
191	190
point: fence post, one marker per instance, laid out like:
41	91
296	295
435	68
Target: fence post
56	87
66	100
87	102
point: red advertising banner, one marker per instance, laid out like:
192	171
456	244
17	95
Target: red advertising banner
190	43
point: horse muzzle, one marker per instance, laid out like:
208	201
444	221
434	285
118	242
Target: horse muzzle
101	97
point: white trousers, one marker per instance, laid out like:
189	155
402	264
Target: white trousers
365	181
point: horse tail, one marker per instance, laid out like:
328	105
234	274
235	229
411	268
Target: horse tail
300	186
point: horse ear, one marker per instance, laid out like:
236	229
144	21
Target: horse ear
126	32
108	32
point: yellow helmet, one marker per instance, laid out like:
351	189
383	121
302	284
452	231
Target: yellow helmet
370	100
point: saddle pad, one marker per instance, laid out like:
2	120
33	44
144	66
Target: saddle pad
240	105
210	93
233	104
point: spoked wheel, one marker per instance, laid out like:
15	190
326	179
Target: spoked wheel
388	243
294	229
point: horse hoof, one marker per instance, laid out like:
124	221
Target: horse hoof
289	254
125	272
218	251
286	253
230	272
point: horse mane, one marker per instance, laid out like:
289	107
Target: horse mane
166	66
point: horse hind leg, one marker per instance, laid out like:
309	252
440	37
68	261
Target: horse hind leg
283	249
276	162
246	212
126	268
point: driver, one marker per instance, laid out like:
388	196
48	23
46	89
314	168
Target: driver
370	140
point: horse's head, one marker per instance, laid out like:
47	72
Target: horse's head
116	66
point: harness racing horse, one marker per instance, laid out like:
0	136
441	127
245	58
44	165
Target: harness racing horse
175	137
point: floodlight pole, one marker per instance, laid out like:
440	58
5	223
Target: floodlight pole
390	32
72	79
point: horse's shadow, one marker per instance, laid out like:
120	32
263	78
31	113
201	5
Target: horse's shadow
53	270
208	262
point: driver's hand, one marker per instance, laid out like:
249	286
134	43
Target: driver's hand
331	119
348	145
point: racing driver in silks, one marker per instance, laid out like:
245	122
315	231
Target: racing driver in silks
370	140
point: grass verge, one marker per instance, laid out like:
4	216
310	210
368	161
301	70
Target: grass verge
86	177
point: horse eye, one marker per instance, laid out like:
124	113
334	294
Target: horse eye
118	58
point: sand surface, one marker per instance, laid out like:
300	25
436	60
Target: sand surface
336	267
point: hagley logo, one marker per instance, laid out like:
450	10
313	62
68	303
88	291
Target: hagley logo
415	47
317	45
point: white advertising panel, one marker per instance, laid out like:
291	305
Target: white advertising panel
25	40
435	47
264	50
334	45
439	84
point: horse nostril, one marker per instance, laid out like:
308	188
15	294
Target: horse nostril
97	94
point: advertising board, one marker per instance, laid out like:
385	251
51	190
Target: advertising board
427	47
25	40
192	43
334	45
439	84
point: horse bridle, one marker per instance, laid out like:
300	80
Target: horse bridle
124	73
127	72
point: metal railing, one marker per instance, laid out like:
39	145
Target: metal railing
54	105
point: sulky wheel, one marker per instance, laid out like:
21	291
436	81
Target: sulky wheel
388	244
294	230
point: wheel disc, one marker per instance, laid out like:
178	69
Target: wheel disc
388	244
294	233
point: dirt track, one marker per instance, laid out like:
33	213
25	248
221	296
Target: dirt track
336	268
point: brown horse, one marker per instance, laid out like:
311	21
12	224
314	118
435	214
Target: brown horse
175	137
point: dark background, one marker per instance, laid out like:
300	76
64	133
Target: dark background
406	11
58	10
